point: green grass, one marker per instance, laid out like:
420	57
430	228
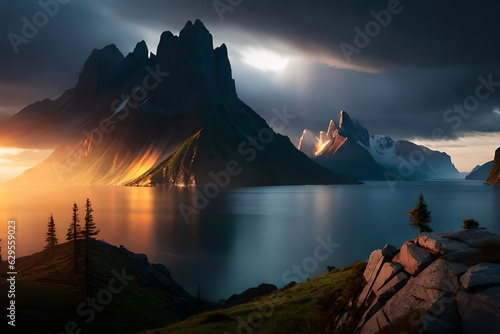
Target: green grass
177	166
307	307
48	293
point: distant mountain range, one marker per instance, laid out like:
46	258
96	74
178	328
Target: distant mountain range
170	118
488	172
480	172
348	148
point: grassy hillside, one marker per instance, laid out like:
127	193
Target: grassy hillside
307	307
49	293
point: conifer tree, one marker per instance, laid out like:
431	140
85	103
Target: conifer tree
74	233
88	232
420	216
51	239
74	230
90	228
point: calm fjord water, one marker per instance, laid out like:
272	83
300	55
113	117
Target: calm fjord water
248	236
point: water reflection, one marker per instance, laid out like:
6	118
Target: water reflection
248	236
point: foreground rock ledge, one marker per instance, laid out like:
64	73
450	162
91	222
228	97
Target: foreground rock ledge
436	283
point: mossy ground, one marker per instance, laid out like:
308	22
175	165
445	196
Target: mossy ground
307	307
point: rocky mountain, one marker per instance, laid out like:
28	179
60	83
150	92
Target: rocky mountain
170	118
43	124
436	283
480	172
348	148
494	176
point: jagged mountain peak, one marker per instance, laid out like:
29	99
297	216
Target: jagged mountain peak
101	72
351	128
197	26
332	128
141	49
109	50
197	44
224	75
194	45
168	45
344	119
349	149
158	139
136	59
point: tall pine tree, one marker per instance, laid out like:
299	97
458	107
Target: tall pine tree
74	230
51	239
88	232
90	228
420	216
74	233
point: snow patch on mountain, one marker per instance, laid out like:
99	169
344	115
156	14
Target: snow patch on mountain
383	150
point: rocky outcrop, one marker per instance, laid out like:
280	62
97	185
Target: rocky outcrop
147	273
481	276
494	177
436	283
413	258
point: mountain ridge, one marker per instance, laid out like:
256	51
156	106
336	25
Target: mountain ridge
480	172
349	147
131	113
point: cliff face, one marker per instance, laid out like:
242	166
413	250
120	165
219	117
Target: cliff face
438	283
494	177
170	119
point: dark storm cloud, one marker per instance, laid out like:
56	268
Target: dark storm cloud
422	33
423	62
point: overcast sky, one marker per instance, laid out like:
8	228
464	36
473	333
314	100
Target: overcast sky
399	79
